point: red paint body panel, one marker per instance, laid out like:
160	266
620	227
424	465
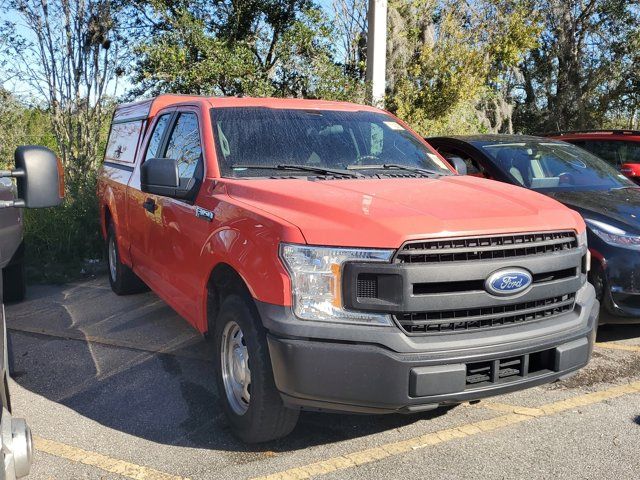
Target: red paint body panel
174	251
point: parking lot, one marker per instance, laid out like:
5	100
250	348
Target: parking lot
121	387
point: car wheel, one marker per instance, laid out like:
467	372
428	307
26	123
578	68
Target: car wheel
14	282
122	279
244	377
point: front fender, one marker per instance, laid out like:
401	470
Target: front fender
250	245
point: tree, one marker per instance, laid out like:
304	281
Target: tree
350	19
255	47
64	51
21	125
451	64
585	67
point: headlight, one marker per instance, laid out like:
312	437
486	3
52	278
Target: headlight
316	282
614	235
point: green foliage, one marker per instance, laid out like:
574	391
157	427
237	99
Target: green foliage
20	125
258	48
584	71
457	59
60	240
186	59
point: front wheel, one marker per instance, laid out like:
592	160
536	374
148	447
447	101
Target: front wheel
244	377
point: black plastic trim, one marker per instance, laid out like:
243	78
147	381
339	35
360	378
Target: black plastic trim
119	166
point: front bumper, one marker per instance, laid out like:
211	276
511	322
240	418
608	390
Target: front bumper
620	270
382	370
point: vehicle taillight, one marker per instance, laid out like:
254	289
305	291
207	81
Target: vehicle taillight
630	169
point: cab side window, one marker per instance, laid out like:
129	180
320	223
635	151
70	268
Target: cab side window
185	147
156	137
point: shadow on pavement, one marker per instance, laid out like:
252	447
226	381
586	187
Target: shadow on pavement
612	333
166	398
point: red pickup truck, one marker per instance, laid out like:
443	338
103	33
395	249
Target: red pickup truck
337	261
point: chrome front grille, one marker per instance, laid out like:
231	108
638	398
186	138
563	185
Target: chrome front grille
486	248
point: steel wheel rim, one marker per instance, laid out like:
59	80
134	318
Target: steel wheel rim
113	257
236	375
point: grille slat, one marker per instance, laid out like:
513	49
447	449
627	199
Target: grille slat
478	318
486	248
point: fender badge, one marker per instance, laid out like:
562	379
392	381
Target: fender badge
204	214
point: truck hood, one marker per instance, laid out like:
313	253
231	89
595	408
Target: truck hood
384	213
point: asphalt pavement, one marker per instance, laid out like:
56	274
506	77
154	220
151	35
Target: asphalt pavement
122	387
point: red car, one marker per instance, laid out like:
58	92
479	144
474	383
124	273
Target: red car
337	261
621	148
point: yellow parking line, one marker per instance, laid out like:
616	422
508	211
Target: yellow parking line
355	459
618	346
107	464
505	408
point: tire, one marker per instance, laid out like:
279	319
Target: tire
263	417
14	282
122	279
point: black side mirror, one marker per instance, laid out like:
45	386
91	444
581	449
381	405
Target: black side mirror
159	176
38	175
458	164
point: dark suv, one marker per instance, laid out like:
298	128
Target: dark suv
38	183
621	148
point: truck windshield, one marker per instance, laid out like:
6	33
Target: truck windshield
553	166
255	141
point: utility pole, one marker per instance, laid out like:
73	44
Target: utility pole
377	50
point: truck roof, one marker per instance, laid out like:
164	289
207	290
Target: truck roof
148	108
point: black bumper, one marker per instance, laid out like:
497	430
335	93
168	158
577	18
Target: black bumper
381	374
621	283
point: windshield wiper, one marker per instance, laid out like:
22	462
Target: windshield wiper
301	168
395	166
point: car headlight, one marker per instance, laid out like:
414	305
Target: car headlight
316	282
614	236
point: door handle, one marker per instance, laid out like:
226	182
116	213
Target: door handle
150	205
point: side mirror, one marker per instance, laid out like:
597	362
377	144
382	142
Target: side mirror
39	178
159	176
459	164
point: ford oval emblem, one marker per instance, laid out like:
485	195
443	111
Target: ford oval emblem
508	282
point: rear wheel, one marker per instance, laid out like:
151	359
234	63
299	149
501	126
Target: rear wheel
14	282
244	377
122	279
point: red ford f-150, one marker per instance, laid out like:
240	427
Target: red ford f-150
337	261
